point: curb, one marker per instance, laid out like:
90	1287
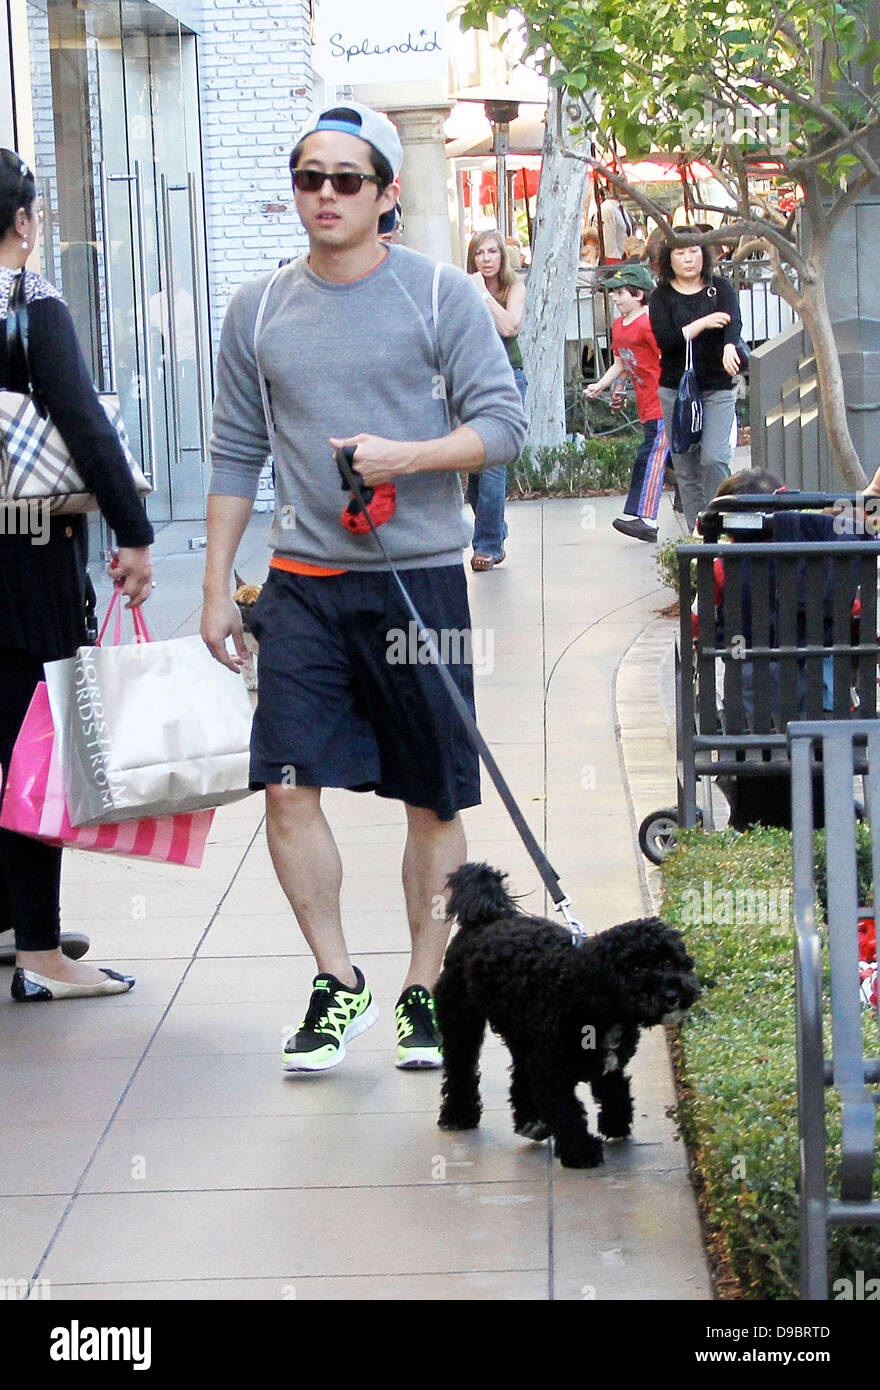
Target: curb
644	700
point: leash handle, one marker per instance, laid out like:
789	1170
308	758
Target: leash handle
549	876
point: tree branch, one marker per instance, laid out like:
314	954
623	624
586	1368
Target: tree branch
781	283
860	93
745	227
841	146
817	109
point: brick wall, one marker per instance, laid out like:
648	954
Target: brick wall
255	80
44	130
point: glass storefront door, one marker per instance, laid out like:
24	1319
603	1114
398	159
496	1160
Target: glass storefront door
118	160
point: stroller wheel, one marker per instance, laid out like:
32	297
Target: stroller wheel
657	833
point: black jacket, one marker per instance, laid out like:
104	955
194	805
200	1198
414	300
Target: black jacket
669	311
42	585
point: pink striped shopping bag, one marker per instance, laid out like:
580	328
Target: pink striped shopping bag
33	804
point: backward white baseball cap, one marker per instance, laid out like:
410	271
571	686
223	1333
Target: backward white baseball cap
354	118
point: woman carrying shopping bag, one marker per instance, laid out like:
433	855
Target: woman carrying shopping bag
43	580
691	305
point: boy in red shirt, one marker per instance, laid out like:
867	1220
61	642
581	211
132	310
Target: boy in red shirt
637	356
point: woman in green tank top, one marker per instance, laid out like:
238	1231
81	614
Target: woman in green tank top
505	297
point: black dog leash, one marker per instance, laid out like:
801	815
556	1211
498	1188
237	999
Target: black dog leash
353	482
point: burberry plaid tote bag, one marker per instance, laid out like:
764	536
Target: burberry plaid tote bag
35	462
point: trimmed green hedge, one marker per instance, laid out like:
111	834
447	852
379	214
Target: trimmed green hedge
736	1061
578	468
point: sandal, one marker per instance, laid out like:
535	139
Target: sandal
481	563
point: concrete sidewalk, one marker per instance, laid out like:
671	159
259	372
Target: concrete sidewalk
153	1148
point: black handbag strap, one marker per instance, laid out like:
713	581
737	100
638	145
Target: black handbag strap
353	480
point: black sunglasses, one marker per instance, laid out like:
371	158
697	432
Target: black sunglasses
347	183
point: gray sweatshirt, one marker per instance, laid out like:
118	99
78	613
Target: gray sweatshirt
363	357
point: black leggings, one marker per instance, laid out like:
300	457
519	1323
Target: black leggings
30	872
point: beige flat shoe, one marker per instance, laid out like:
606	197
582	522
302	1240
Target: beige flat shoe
29	987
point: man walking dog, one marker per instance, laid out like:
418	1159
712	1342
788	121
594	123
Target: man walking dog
371	347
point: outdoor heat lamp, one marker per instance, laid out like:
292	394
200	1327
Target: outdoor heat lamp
501	107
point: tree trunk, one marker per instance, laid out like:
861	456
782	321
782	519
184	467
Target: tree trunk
817	321
553	275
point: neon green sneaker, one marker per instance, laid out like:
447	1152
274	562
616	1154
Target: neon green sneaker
418	1042
335	1015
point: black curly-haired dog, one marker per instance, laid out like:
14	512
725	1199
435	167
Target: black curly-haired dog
567	1012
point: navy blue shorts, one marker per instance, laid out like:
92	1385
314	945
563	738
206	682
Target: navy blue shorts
346	701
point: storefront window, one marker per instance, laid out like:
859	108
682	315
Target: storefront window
116	132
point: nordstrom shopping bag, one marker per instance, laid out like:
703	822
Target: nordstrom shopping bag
33	804
149	729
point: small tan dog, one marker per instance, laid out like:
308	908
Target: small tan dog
245	597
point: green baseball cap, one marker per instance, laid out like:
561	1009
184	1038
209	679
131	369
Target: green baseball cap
634	276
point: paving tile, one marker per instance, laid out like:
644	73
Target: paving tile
613	1226
496	1285
284	1235
45	1088
76	1030
214	1030
309	1151
27	1224
116	900
47	1157
152	938
168	1085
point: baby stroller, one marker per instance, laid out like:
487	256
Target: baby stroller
778	622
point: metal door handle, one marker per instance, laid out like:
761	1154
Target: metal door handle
171	337
136	179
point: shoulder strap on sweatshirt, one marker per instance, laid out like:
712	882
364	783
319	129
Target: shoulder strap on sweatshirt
435	311
258	323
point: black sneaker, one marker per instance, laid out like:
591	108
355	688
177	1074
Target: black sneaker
418	1042
335	1015
634	526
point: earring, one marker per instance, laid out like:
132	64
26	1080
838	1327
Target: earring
25	245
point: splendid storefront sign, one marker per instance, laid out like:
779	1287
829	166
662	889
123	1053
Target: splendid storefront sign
402	42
